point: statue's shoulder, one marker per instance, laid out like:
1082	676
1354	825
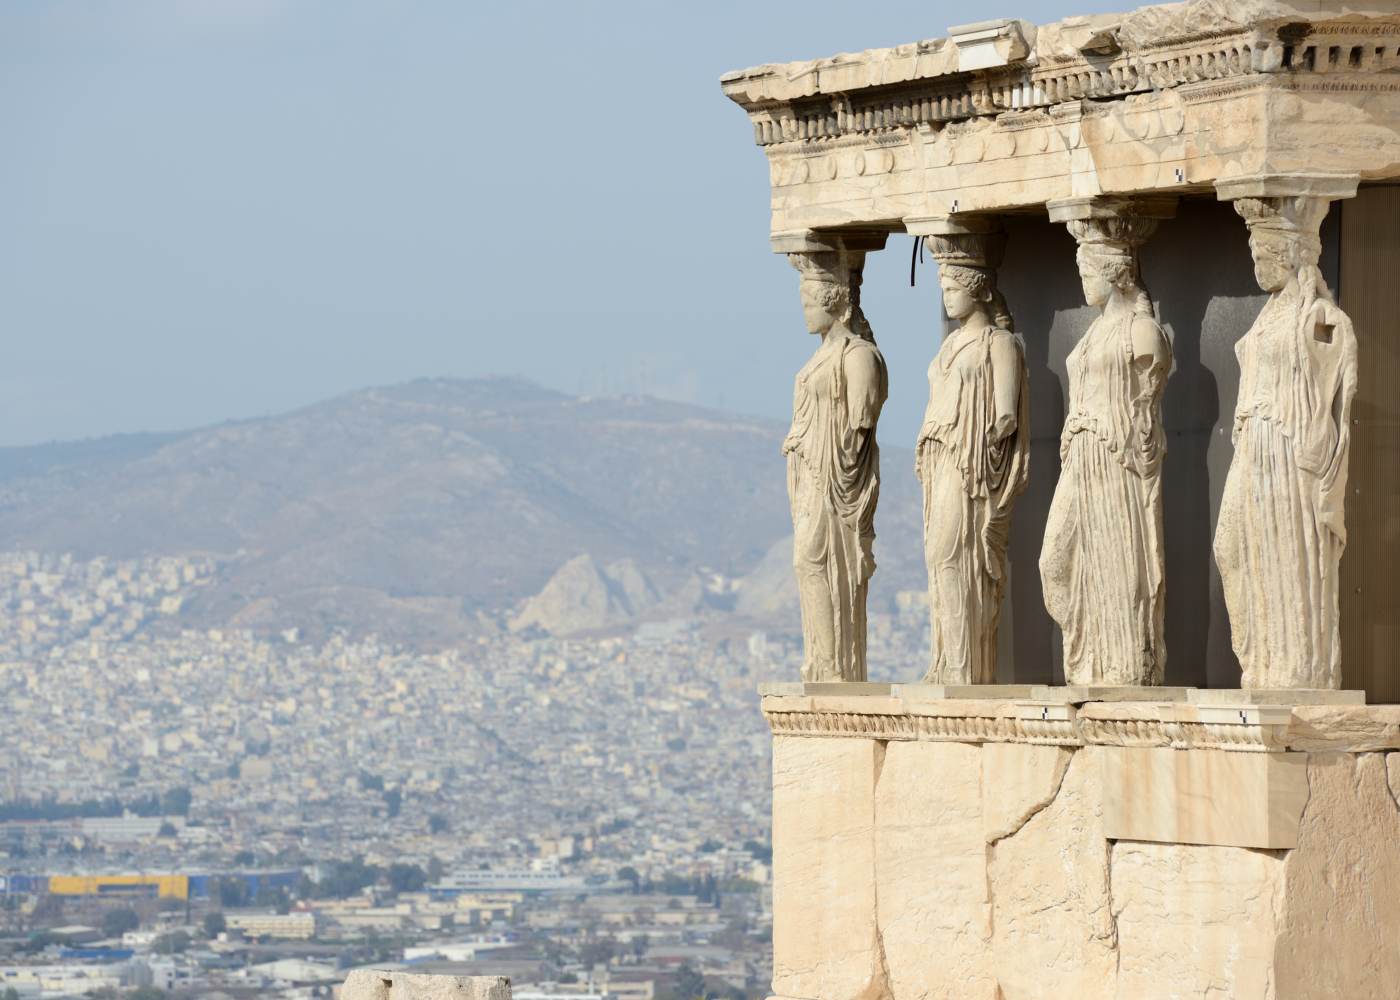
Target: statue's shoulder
862	351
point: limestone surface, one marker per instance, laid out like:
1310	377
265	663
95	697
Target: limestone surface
998	868
1194	921
825	939
933	910
1053	930
393	985
1340	911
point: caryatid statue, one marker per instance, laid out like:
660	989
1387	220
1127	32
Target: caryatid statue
1280	535
834	466
1102	564
972	458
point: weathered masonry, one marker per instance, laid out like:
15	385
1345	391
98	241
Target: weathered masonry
1161	478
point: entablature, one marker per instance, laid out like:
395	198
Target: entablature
1003	116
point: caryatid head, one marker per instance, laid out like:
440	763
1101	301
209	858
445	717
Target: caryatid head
1108	255
1283	237
967	264
828	297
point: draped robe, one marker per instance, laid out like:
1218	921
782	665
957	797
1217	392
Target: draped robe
1280	535
1102	564
970	484
833	486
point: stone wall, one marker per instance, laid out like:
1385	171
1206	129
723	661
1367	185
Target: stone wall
999	867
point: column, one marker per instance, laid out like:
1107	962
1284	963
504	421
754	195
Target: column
1281	531
972	453
833	459
1102	564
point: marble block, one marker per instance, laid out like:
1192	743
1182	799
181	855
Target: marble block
1082	694
1274	696
927	692
1204	796
384	984
825	942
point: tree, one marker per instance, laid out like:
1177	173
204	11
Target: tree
436	869
437	823
10	994
393	802
406	878
173	943
345	878
146	993
167	829
115	923
759	852
232	892
629	874
214	924
176	802
690	985
640	944
598	952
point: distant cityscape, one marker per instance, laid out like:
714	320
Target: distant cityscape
210	813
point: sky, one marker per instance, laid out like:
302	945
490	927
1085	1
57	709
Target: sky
219	209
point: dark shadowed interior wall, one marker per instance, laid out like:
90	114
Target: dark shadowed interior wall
1370	584
1199	273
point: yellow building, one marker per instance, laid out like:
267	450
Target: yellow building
162	886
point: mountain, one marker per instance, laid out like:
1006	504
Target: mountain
426	510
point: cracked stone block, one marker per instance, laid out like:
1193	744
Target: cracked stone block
825	943
1194	921
1053	933
931	873
1018	780
1339	916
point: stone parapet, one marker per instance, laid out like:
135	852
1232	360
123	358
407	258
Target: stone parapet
1010	849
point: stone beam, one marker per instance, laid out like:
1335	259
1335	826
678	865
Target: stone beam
1003	116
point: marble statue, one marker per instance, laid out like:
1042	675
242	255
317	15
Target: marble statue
1280	535
834	466
1101	566
972	459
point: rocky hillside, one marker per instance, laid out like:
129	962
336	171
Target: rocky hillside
426	510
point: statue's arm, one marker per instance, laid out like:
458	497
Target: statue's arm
1006	383
1150	348
865	388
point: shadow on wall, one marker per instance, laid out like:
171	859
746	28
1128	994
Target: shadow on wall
1198	271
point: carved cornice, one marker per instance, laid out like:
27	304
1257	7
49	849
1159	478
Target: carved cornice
931	728
1338	55
1240	728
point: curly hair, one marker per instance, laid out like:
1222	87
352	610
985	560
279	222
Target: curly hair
981	284
1121	271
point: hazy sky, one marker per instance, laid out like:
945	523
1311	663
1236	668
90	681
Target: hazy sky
222	208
